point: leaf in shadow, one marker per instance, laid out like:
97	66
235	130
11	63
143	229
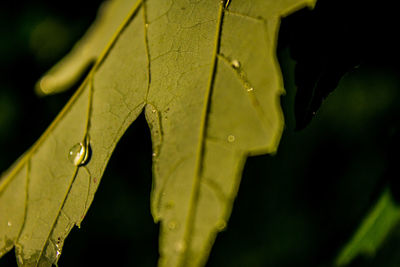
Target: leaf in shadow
333	39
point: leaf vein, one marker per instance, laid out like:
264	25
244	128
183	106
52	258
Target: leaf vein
28	169
203	128
255	104
244	16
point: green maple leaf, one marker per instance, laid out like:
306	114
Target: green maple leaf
206	75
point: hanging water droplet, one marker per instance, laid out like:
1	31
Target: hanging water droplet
172	225
250	89
9	224
231	138
235	64
79	153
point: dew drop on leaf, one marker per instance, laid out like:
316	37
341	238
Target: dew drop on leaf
235	64
231	138
58	251
79	153
9	224
250	89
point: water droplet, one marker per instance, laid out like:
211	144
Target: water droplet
9	224
153	110
146	25
235	64
172	225
180	246
314	113
231	138
250	89
58	251
154	154
79	153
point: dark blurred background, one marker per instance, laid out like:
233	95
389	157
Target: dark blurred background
297	208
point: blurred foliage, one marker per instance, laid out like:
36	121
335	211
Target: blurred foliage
310	197
334	38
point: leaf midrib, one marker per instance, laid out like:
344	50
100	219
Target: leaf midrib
203	131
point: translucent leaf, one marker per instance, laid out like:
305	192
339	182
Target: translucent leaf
70	69
206	74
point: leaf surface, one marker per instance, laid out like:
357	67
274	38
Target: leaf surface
206	75
69	70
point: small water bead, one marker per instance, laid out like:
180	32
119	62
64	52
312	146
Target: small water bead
9	224
79	153
231	138
58	251
250	89
76	154
235	64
